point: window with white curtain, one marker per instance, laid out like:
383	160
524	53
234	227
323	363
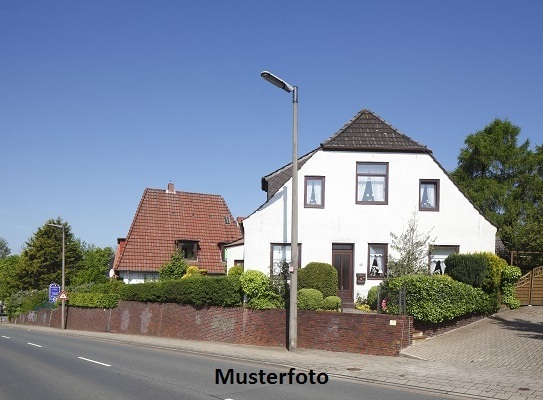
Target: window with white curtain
314	192
371	183
281	253
429	195
377	260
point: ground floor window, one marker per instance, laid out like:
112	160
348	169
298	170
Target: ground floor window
377	260
438	254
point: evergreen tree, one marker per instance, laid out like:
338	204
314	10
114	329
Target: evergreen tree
41	259
504	179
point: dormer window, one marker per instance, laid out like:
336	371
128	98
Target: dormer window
188	248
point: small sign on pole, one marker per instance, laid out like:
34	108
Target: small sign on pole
63	296
54	291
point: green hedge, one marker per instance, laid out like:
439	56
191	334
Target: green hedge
467	268
510	276
222	291
93	300
320	276
436	298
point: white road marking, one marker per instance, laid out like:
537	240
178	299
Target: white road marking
33	344
96	362
6	337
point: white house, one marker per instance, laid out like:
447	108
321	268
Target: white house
361	184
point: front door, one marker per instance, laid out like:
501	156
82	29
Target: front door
342	260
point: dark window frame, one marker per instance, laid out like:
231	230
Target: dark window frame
306	200
385	261
360	174
437	189
185	245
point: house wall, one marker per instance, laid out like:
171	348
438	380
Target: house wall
457	223
138	277
376	334
233	253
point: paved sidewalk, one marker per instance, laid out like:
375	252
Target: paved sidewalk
500	357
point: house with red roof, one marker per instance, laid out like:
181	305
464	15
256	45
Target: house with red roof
168	220
360	185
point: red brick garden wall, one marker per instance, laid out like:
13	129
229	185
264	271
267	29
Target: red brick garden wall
376	334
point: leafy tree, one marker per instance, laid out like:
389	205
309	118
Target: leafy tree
95	265
4	248
175	269
8	281
41	259
413	248
504	179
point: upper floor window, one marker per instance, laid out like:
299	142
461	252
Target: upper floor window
429	195
314	192
371	183
189	249
377	260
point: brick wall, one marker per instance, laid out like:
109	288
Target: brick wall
376	334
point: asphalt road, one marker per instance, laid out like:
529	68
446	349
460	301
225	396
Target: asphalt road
43	365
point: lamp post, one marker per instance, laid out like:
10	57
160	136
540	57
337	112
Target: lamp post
293	310
63	301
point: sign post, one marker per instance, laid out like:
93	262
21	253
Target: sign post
54	291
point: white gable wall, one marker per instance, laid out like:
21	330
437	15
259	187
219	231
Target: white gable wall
343	221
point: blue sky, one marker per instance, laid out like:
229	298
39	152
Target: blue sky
102	99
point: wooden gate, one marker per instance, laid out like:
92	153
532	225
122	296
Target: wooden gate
529	288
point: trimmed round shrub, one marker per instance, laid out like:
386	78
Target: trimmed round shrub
320	276
309	299
467	268
332	303
270	300
236	270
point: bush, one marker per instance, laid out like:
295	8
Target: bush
491	283
236	270
254	283
332	303
25	301
510	276
436	298
371	300
257	287
94	300
320	276
467	268
270	300
192	271
310	299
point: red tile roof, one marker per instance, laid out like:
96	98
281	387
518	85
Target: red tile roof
164	217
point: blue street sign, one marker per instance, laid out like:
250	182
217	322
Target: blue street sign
54	291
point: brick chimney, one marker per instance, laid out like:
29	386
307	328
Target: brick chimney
170	188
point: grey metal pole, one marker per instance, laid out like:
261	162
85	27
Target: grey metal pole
62	320
293	311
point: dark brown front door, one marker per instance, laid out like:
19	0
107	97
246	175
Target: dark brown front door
342	260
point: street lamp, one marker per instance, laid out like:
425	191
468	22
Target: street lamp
63	300
293	310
